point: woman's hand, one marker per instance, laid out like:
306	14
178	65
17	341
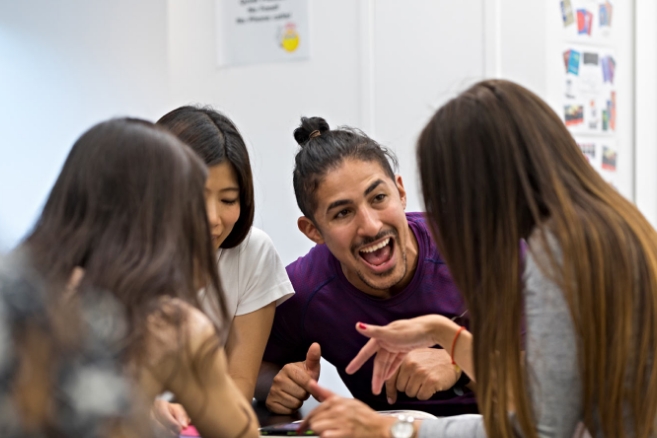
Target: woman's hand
170	416
339	417
392	342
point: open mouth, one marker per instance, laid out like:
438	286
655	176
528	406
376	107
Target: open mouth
378	256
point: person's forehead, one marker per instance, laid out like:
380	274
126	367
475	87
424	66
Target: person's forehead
350	179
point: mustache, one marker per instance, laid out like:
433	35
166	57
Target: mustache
367	240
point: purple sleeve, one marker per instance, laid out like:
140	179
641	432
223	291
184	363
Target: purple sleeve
287	341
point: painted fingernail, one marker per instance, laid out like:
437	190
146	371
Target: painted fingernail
362	326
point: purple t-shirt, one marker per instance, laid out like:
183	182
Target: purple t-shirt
326	307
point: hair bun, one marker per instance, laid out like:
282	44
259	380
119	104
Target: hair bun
307	127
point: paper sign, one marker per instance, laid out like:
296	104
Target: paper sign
258	31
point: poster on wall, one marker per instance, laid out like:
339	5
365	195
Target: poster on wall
261	31
602	154
589	92
589	82
587	20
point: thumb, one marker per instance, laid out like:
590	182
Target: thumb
372	331
312	359
318	392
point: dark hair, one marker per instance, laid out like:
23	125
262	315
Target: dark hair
323	149
215	138
128	207
496	163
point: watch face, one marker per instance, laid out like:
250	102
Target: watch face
402	429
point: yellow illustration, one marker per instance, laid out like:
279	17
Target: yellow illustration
290	38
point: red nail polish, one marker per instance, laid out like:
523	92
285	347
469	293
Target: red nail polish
362	326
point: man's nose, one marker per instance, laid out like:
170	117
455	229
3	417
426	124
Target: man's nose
369	223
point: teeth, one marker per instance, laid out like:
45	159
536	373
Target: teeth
376	247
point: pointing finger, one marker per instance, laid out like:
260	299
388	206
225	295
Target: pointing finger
368	350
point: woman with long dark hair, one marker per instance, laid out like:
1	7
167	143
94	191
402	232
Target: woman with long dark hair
252	274
497	165
126	217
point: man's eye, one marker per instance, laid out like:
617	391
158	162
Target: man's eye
342	213
379	198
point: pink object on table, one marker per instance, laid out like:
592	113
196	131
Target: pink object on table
189	431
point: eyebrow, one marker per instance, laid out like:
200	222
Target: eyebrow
372	186
227	189
342	202
338	203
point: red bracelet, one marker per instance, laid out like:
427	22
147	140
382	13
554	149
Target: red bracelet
456	336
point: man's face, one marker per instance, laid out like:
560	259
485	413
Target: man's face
360	216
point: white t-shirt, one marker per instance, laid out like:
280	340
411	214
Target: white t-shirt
252	275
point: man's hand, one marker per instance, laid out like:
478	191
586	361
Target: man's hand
422	373
290	386
344	417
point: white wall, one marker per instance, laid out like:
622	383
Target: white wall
65	66
646	109
423	54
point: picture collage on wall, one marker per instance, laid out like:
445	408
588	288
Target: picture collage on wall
602	155
589	81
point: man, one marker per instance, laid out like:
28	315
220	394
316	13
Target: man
373	263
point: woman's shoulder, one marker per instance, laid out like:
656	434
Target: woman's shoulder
255	250
175	326
254	242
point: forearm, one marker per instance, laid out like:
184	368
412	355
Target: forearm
266	376
459	426
444	333
246	346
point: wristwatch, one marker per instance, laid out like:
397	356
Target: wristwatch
403	427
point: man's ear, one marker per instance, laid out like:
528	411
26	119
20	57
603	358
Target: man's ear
401	189
308	227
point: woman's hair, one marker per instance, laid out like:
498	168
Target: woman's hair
50	349
215	138
496	162
324	149
128	207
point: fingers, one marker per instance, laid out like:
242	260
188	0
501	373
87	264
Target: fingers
179	414
382	363
396	363
413	386
426	391
289	389
312	362
368	350
318	392
403	377
279	408
391	388
369	330
162	414
316	413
